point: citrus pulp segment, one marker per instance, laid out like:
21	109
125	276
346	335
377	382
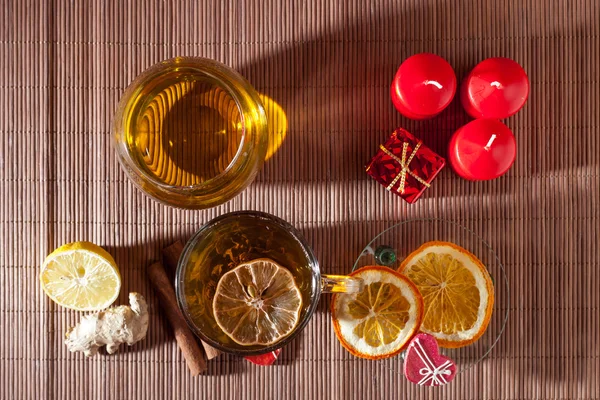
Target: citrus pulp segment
379	321
457	291
257	303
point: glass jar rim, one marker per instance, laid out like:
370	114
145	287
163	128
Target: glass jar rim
235	95
250	152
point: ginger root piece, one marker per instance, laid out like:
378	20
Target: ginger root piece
111	327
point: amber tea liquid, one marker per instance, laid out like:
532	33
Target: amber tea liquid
229	244
184	128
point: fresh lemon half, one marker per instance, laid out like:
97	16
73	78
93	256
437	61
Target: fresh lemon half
81	276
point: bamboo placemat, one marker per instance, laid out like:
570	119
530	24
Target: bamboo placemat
328	64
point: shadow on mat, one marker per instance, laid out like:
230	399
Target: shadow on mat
135	279
335	90
550	334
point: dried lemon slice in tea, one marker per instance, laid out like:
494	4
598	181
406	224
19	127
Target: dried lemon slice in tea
81	276
257	303
457	290
379	321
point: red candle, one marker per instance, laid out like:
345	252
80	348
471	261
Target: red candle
481	150
495	88
423	86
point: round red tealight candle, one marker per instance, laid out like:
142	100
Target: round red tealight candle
423	86
481	150
496	88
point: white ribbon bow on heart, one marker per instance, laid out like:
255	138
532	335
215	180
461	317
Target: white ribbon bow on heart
430	372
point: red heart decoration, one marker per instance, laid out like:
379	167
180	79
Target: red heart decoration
424	365
264	359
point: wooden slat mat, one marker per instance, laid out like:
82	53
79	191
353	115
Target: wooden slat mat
64	65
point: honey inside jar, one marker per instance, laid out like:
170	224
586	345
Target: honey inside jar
185	129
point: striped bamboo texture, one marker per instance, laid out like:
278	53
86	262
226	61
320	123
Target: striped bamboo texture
328	64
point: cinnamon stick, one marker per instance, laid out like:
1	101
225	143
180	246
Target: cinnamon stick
171	256
185	338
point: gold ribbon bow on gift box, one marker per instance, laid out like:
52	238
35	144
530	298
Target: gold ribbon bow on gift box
404	163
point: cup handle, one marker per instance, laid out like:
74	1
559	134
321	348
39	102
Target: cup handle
341	284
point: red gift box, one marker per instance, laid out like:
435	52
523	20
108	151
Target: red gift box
405	166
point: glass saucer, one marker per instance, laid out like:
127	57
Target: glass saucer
392	245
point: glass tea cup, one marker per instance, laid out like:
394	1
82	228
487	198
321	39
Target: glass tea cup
191	132
235	238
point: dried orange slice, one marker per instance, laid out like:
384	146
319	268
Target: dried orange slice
257	303
379	321
457	290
